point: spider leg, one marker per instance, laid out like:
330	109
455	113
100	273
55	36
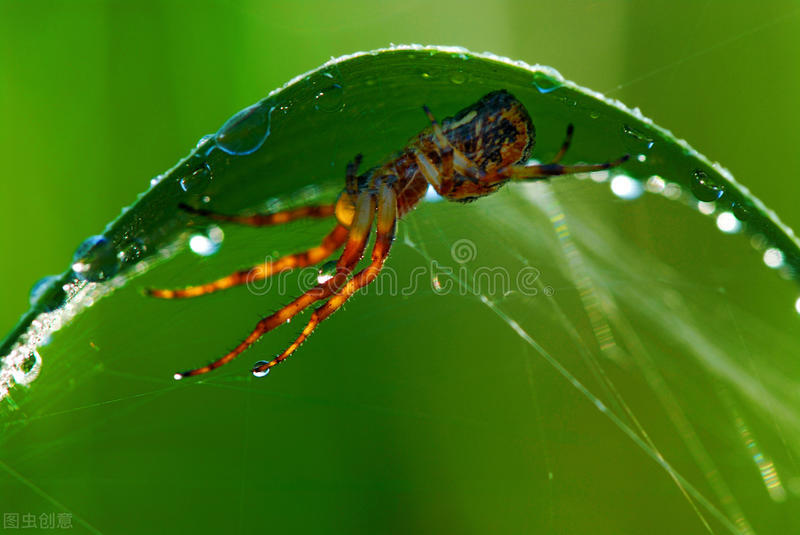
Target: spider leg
386	225
444	146
544	171
452	158
315	255
353	251
265	220
565	146
351	179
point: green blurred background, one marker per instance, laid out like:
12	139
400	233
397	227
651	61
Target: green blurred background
97	97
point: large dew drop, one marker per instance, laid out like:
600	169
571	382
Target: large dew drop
95	260
245	132
545	83
704	188
257	373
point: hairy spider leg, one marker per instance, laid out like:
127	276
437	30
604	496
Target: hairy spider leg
352	254
543	171
265	220
332	242
386	225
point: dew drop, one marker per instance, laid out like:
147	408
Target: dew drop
458	78
330	99
773	257
636	139
41	287
704	188
245	132
655	184
626	187
728	223
95	259
326	272
257	373
741	211
132	251
672	191
797	305
706	208
197	178
208	242
205	139
545	83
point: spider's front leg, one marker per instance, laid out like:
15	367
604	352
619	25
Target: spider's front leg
353	251
386	225
554	168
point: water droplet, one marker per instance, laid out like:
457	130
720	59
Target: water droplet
741	211
636	139
626	188
458	78
95	260
545	83
706	208
326	272
257	373
655	184
672	191
132	251
330	99
245	132
797	305
198	177
207	243
203	140
728	223
41	287
773	257
593	115
704	188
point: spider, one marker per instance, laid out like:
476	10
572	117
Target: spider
467	156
